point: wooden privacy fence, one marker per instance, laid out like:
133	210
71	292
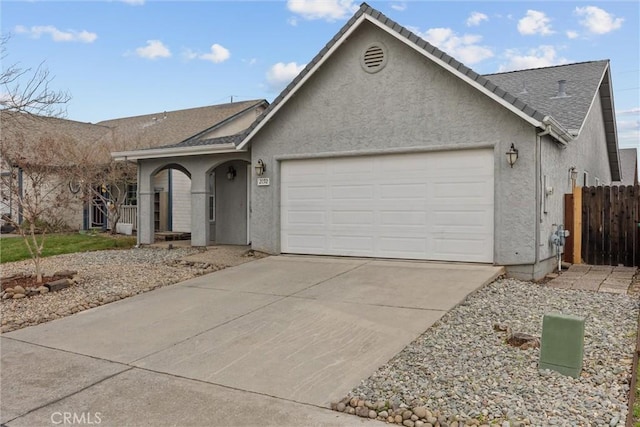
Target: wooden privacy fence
611	225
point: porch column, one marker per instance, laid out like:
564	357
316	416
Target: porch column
145	204
145	218
199	204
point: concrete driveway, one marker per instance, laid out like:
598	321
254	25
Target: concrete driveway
270	342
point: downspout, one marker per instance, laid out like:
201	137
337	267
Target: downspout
539	136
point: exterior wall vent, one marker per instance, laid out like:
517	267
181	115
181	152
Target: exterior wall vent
374	58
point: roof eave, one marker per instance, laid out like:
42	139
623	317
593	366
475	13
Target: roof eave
158	153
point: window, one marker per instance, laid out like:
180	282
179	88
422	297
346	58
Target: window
597	181
132	194
585	179
212	197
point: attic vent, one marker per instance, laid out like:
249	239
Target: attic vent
562	90
374	58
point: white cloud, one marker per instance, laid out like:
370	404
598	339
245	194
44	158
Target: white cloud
252	61
535	22
465	48
400	7
218	54
153	50
597	20
133	2
542	56
329	10
293	21
572	34
280	74
476	18
57	35
635	110
189	54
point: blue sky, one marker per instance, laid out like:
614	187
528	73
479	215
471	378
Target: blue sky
125	58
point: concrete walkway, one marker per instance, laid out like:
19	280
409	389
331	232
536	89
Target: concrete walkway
270	342
599	278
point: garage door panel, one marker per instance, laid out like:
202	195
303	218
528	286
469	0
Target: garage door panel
395	218
453	220
403	191
308	243
305	192
460	190
352	218
353	245
306	217
436	206
352	192
403	246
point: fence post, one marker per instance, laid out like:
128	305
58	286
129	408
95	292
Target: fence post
576	229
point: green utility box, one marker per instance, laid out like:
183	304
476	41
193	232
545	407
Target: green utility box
562	344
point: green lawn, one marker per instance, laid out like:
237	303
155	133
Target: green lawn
14	249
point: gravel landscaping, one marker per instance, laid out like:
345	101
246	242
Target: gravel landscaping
461	371
107	276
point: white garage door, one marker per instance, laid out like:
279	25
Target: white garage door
435	206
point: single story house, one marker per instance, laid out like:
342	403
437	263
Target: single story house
385	146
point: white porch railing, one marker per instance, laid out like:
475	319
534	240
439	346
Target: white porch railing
129	214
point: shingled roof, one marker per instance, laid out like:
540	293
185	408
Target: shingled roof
28	129
563	120
165	128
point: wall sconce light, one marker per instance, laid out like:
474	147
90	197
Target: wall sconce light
512	155
231	173
260	167
573	175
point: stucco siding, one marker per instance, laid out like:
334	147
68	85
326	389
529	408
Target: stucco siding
180	201
410	105
587	153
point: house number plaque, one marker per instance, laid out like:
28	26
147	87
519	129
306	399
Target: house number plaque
263	182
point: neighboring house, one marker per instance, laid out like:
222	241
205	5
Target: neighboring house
147	131
385	146
31	131
629	167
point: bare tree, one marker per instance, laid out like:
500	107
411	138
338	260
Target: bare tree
33	172
105	187
38	188
28	90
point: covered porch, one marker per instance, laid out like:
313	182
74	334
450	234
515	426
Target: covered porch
213	199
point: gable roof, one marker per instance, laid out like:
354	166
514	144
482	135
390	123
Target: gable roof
161	129
539	87
532	112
